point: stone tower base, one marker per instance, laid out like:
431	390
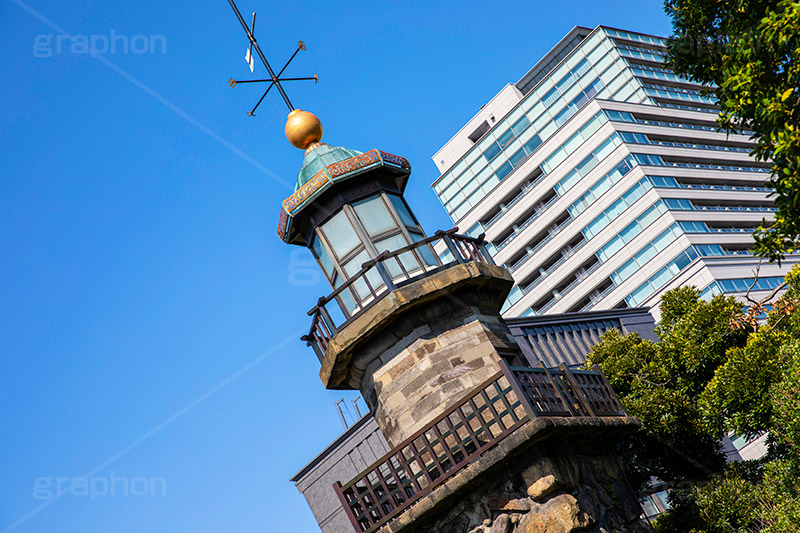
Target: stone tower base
557	485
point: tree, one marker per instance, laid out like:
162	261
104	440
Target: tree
749	52
661	383
714	371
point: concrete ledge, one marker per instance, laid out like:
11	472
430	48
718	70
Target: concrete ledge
536	431
492	282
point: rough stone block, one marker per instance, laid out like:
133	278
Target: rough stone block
548	475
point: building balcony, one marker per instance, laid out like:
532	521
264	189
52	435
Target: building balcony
386	274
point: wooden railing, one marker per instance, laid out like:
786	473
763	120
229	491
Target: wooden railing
464	432
385	273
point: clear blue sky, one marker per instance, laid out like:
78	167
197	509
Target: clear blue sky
150	315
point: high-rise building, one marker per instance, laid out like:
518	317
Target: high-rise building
601	180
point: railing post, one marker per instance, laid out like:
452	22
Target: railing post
568	405
485	252
383	272
610	390
580	396
337	488
523	398
454	251
326	317
309	342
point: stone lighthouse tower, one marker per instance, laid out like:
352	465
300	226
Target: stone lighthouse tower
480	441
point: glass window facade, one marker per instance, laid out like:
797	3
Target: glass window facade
614	210
583	75
647	253
601	186
633	229
663	276
607	65
587	164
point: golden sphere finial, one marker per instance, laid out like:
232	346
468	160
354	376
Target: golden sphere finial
303	129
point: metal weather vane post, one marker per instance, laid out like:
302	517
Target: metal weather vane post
274	80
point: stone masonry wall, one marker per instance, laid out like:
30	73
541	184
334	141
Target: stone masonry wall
433	365
560	488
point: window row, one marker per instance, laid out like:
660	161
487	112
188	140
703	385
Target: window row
639	53
544	124
516	130
588	164
601	186
630	231
648	252
657	73
616	209
532	107
575	141
675	94
663	276
646	39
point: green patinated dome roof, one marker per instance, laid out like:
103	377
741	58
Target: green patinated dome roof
319	157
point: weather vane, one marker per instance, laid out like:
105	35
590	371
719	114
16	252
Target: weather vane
273	80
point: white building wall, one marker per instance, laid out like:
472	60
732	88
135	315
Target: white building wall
702	177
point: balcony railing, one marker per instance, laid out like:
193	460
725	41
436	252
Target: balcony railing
527	222
578	279
530	253
599	297
464	432
525	190
383	274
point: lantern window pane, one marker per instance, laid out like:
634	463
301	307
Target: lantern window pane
353	266
341	235
425	251
374	216
323	257
402	210
410	263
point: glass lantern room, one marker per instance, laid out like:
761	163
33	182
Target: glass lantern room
361	231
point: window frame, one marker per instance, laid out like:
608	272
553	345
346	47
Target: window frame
410	234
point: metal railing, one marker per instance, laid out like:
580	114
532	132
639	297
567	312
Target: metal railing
383	274
724	208
578	279
708	187
596	299
700	146
523	192
530	253
459	436
683	125
542	275
536	214
726	230
712	167
676	124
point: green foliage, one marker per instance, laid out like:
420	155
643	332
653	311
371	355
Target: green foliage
710	374
660	383
683	516
750	50
785	397
730	501
779	496
737	397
